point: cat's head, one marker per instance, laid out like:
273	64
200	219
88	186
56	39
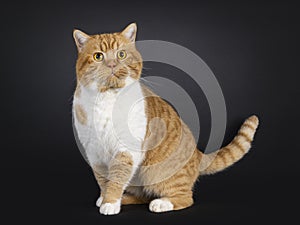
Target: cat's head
107	59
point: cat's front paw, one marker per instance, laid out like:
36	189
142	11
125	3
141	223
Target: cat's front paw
99	201
110	208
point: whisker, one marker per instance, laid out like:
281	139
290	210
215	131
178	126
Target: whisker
149	83
70	100
147	68
152	82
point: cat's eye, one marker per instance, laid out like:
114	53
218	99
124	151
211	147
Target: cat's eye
121	54
98	56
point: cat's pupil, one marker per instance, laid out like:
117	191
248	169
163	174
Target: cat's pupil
121	54
98	55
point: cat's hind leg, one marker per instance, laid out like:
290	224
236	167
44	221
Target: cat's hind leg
170	203
128	199
175	193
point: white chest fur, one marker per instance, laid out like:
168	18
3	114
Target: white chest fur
115	121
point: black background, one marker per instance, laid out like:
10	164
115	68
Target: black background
251	48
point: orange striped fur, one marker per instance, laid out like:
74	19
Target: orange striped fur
172	162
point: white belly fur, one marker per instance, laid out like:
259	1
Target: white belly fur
109	129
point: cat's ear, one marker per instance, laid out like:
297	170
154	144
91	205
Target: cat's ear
130	32
80	39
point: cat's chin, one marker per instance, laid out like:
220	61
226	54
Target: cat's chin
113	83
106	88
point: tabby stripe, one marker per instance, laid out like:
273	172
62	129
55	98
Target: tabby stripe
249	126
113	43
238	145
83	63
178	185
104	46
229	152
117	43
180	176
224	159
243	134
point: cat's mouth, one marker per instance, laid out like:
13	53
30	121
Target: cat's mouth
114	80
113	74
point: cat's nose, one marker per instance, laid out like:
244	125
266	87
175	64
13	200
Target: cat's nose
111	63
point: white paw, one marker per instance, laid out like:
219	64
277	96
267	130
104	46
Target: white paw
99	201
160	205
110	208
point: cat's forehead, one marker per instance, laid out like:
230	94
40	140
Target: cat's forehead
107	42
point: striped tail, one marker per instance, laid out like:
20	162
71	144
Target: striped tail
228	155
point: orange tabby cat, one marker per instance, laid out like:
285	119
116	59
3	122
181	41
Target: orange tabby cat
164	163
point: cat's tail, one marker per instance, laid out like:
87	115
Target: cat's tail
228	155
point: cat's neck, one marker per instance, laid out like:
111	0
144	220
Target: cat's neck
92	90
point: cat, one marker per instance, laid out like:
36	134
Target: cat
163	164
